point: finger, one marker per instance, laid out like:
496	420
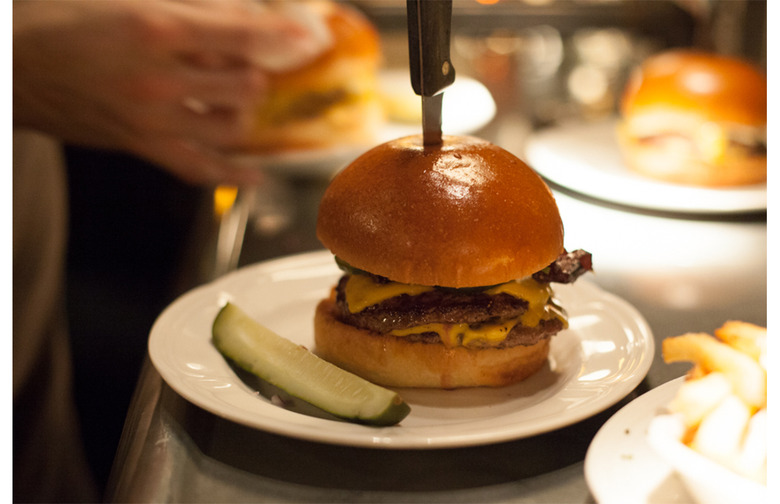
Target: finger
215	128
218	128
198	165
214	116
213	106
225	88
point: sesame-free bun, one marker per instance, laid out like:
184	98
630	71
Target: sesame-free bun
716	87
395	362
696	118
464	213
331	102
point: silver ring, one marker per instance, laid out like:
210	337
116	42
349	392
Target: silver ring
195	105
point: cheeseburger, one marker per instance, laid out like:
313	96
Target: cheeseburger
448	254
333	101
695	118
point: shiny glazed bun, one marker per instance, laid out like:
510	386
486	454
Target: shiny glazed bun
332	101
697	118
394	362
462	214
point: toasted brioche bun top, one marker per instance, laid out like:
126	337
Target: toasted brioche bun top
716	87
465	213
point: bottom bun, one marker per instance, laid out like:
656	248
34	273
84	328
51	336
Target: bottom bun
394	362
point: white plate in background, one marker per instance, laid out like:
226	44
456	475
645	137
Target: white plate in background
585	157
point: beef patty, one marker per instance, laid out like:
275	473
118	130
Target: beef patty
446	306
472	306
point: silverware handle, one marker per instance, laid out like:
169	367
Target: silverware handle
429	24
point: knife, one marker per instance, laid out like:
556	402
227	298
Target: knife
429	23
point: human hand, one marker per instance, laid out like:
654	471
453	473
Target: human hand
175	82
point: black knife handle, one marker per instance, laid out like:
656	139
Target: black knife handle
429	23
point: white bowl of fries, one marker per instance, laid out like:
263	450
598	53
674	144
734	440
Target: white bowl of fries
714	432
707	481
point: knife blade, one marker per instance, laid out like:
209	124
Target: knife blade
431	71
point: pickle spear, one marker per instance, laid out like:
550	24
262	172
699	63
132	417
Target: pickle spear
298	379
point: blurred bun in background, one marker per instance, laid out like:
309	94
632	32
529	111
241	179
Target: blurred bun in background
332	101
695	118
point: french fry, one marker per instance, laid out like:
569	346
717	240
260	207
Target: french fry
747	377
746	337
720	433
696	398
696	372
751	461
722	401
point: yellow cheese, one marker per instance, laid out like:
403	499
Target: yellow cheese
537	295
711	140
461	334
361	292
294	105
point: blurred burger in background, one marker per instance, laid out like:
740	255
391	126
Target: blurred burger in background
332	101
696	118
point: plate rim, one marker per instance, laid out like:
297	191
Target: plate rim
653	399
538	156
383	437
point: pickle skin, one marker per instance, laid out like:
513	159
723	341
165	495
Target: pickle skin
238	338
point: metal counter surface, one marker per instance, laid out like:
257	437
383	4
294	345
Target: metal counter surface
683	273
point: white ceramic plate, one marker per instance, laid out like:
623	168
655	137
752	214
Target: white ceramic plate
586	158
600	359
467	106
622	468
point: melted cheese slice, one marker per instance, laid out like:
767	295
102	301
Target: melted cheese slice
711	140
537	295
461	334
361	292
